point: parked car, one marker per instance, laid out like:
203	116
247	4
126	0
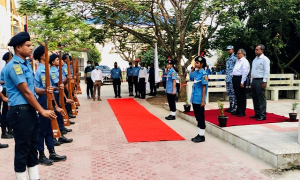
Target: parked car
105	72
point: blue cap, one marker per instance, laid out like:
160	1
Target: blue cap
170	61
229	47
19	39
6	56
200	59
65	56
38	52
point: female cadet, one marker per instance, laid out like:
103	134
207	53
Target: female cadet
45	129
198	96
171	89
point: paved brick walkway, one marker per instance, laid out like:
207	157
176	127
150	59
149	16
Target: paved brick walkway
100	151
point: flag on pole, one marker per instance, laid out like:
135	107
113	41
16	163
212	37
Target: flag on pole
156	73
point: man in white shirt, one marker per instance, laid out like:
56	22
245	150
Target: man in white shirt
240	72
97	79
259	75
143	79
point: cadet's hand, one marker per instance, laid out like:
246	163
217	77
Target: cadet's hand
173	92
48	114
70	101
74	77
50	90
110	81
85	81
72	81
69	76
62	86
60	110
202	104
250	84
263	85
242	85
5	99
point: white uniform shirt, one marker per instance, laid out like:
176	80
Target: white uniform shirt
143	74
241	68
261	68
96	75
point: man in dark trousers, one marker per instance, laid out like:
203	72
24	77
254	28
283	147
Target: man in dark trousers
116	77
23	105
152	80
129	78
135	76
259	75
87	79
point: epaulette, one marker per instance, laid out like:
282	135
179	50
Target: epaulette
16	61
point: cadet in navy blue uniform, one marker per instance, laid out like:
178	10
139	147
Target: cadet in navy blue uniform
163	79
171	89
135	76
54	76
116	77
4	124
129	78
23	105
67	101
198	97
45	131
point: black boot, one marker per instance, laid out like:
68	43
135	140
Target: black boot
10	132
55	157
170	117
71	116
68	130
198	139
72	122
5	135
233	111
63	139
230	108
44	160
3	146
55	142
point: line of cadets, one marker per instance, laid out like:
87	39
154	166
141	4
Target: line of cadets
20	106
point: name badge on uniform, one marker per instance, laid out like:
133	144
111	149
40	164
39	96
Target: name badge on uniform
53	76
18	69
43	79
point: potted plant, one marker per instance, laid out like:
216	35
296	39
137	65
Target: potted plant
222	118
293	115
186	106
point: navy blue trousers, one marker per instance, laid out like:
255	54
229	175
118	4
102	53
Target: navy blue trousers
60	119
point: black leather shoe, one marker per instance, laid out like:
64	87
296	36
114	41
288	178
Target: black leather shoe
63	139
233	112
261	119
131	95
68	130
241	115
116	96
198	139
72	122
45	161
170	117
76	107
228	110
136	96
10	132
6	136
3	145
254	117
71	116
55	157
120	96
63	132
55	142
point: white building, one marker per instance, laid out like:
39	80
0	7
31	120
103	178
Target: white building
10	23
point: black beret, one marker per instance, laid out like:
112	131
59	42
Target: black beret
64	57
6	56
53	57
170	61
200	59
38	52
19	39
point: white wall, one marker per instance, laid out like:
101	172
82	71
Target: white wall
5	27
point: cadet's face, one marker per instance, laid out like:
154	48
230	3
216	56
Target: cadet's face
169	66
229	51
136	63
62	62
197	64
56	62
25	49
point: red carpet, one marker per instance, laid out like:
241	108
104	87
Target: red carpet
139	124
212	117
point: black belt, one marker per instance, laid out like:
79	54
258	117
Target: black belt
237	75
23	107
257	78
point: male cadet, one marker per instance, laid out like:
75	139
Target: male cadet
54	76
152	80
4	124
135	76
230	62
116	77
67	101
171	89
45	130
87	79
23	105
129	78
142	79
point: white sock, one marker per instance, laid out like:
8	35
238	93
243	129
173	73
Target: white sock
201	132
33	173
21	175
172	113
